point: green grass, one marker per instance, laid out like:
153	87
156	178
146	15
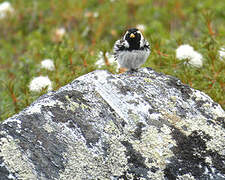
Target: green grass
26	38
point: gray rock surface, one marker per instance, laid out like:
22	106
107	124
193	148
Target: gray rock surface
136	125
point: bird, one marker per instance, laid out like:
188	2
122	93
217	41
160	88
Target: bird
132	50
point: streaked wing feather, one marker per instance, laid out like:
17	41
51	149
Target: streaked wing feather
118	46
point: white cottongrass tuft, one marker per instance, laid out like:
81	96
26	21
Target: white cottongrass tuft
86	31
5	8
101	60
39	83
186	51
60	32
222	53
196	60
141	27
110	58
95	14
48	64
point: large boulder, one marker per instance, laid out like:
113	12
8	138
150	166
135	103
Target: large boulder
136	125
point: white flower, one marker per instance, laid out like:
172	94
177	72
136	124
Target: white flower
86	31
186	51
39	83
101	60
196	60
141	27
110	58
60	32
222	53
95	14
5	8
48	64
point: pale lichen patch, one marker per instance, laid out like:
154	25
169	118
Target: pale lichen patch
147	80
83	106
86	163
216	133
72	105
111	128
218	111
155	116
48	127
208	160
173	98
16	162
218	139
172	118
200	96
116	161
155	146
186	177
134	117
36	108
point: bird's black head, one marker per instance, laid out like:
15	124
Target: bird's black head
133	37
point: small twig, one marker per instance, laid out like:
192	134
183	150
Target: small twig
106	59
84	60
159	52
13	96
71	61
209	25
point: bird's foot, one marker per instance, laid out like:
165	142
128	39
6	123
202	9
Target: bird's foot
134	70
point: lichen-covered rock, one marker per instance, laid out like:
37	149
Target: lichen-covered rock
136	125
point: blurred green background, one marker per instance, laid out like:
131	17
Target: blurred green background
28	35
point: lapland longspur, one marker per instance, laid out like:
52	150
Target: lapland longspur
132	50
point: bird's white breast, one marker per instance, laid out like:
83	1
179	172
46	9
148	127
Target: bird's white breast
132	59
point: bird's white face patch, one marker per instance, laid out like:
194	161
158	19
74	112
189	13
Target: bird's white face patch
126	44
142	39
125	35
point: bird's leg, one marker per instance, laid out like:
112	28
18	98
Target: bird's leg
122	70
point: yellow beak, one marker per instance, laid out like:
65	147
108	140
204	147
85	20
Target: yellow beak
132	35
